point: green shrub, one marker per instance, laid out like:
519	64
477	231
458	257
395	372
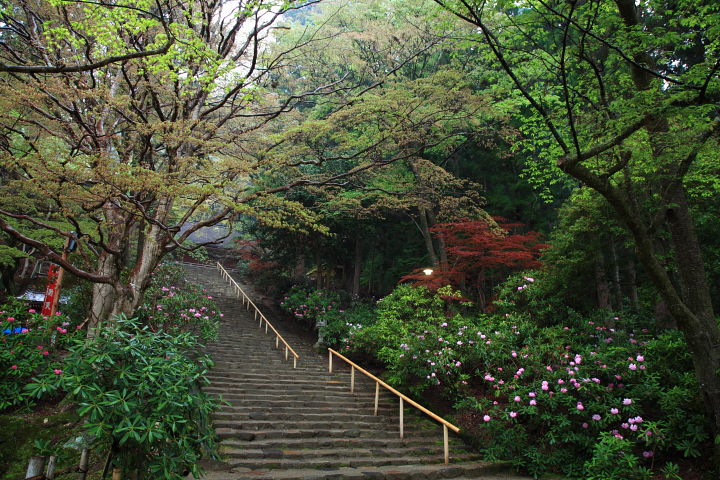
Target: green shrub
544	398
29	343
339	323
307	305
171	305
139	392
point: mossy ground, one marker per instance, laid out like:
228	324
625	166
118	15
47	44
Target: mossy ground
55	422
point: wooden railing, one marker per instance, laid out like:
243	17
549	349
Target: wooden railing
268	326
403	398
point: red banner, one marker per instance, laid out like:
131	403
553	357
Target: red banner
52	290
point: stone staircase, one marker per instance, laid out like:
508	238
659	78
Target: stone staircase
304	423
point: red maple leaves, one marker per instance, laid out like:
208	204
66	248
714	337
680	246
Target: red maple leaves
481	255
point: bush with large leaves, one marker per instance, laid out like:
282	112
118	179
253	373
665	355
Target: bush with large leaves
139	392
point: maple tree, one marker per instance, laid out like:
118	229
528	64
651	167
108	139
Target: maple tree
480	255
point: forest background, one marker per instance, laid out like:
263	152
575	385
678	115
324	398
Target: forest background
354	145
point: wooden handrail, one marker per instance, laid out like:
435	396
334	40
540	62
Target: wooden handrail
246	301
403	398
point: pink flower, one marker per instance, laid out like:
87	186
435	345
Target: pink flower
585	425
513	414
517	398
632	366
580	406
57	371
46	353
486	418
563	390
648	454
32	310
596	417
14	367
533	402
532	394
640	358
627	401
10	319
614	411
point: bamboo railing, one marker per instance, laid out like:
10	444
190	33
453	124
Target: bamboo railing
268	326
403	398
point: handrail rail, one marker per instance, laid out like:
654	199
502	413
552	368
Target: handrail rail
246	301
403	398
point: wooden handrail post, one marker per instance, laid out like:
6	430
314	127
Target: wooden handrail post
294	361
446	447
330	362
377	397
402	412
352	379
277	342
286	352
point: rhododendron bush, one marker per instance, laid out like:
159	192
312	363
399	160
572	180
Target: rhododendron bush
172	305
555	398
29	344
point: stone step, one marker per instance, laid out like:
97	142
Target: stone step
338	442
329	453
280	424
297	433
474	470
300	408
335	462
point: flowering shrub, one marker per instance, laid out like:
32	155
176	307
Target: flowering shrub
559	398
138	391
309	305
340	323
171	305
29	342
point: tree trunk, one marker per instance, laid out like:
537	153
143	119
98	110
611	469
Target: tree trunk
129	294
601	285
103	294
425	230
616	279
441	248
298	274
357	266
631	276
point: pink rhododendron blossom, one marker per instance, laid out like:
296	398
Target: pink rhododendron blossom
486	418
614	411
627	401
513	414
580	406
